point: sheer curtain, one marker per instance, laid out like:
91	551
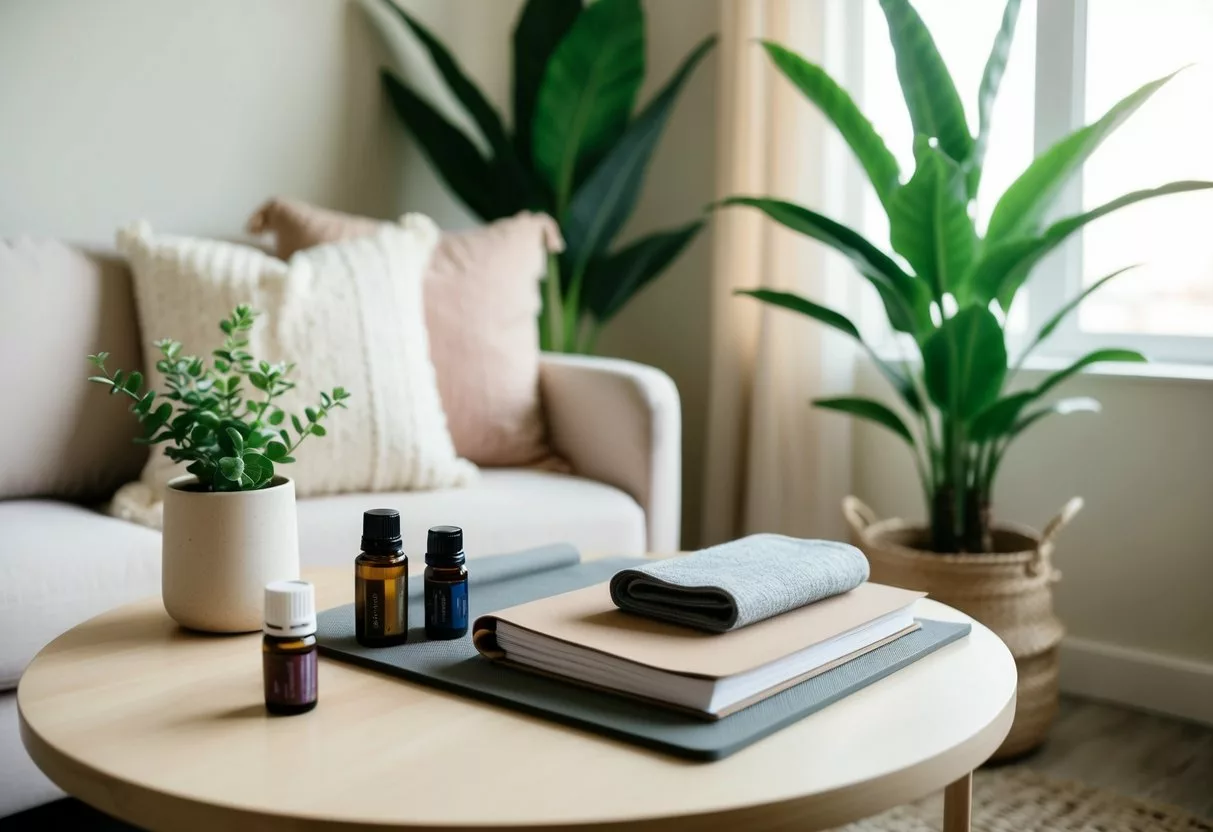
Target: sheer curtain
773	463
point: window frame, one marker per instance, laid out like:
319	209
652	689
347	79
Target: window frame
1059	109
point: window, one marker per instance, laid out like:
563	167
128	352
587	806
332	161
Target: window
1071	61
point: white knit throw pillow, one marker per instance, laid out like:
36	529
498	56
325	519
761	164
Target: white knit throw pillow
348	314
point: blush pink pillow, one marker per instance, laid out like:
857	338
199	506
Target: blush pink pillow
481	308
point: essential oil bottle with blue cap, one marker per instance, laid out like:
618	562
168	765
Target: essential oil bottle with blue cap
446	584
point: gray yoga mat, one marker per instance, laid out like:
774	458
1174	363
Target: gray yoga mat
505	580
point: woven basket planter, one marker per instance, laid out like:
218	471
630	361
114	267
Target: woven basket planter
1009	591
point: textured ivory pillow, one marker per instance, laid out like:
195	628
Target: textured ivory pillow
481	307
348	314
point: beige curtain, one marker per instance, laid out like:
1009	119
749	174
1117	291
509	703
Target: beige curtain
773	463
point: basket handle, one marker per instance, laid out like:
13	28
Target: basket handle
1044	548
1059	522
857	513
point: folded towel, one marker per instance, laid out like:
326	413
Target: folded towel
735	584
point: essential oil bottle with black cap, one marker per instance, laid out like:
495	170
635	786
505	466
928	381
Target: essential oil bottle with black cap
381	582
446	584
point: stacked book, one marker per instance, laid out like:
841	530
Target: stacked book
711	633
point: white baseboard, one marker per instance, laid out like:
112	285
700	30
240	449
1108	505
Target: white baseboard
1138	678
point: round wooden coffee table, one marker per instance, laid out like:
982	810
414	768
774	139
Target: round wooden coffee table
166	730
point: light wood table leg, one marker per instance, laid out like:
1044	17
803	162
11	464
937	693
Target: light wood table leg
958	805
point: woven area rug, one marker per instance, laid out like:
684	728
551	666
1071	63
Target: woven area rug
1019	800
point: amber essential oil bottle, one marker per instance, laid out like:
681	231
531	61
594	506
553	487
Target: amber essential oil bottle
381	582
288	648
446	584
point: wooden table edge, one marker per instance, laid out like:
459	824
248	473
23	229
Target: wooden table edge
154	809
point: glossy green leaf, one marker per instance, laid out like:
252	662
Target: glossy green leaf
275	450
236	439
836	320
998	419
929	222
907	301
834	102
101	380
232	467
257	468
1004	267
1069	306
965	363
991	78
935	107
468	94
604	202
540	27
464	170
276	417
1064	407
611	281
319	430
804	306
871	410
1106	355
1008	262
587	94
1025	203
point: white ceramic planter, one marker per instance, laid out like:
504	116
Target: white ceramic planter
220	549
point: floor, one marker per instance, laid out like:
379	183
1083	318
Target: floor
1154	757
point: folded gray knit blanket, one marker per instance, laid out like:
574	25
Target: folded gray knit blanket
734	584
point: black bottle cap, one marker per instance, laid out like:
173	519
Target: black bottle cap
444	546
381	531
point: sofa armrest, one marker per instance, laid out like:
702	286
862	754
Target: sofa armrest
620	423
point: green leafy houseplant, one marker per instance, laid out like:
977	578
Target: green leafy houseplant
231	442
949	291
577	151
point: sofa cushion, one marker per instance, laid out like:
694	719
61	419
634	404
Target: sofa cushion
506	510
59	304
59	565
350	313
481	308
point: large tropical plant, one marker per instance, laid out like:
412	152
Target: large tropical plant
578	150
948	286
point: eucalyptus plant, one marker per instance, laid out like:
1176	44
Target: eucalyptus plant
577	151
231	442
948	286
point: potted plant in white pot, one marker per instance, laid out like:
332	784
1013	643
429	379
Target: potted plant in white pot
229	524
946	290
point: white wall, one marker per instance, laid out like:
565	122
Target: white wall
187	113
1137	563
190	112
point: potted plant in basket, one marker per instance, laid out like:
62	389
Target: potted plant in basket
577	151
229	524
948	295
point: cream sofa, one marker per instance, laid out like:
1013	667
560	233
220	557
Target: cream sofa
63	561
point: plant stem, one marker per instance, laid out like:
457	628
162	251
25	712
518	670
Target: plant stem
589	335
555	310
572	309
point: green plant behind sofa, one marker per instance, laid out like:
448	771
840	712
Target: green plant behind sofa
950	289
578	150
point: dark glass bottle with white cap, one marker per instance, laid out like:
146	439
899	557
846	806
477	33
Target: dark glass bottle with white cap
446	584
381	582
288	648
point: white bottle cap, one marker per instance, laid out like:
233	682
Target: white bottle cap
290	608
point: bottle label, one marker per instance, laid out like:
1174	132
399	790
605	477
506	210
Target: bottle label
382	607
289	679
446	605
